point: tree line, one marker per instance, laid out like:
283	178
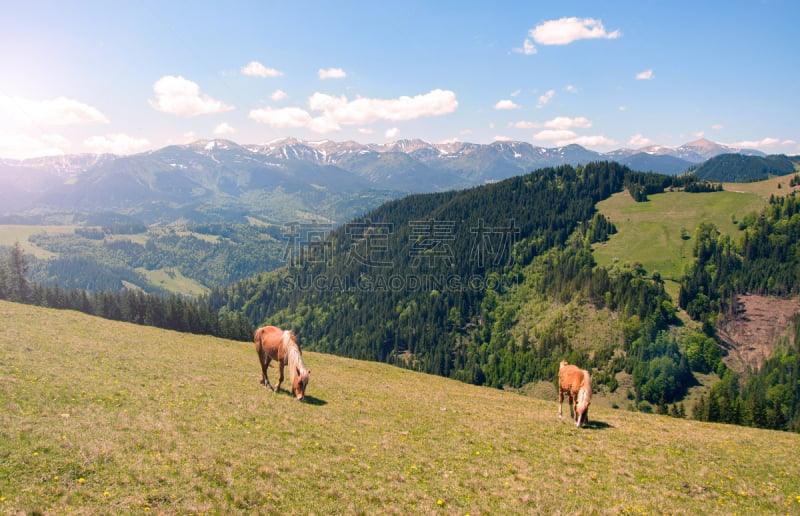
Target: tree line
171	312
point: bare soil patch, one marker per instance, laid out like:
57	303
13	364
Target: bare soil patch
756	328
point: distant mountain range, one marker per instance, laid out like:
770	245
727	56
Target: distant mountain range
290	179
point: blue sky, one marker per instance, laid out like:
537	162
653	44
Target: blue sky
131	76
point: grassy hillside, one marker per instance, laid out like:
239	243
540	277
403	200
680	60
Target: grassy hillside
105	417
653	232
659	233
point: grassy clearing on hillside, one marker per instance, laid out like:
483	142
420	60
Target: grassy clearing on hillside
12	233
765	188
652	232
104	417
171	279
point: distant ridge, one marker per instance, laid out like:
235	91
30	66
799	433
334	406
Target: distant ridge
221	179
740	168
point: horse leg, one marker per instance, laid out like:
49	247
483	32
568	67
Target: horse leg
264	370
560	402
571	400
280	377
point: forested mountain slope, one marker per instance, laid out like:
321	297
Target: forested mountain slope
423	281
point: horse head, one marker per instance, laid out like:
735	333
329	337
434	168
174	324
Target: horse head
300	382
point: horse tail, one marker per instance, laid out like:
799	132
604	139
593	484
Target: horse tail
257	340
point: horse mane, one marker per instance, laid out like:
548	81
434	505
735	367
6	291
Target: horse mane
294	357
585	392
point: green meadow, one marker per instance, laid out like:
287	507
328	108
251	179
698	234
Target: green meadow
102	417
659	233
10	234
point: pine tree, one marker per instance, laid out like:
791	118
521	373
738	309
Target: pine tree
16	282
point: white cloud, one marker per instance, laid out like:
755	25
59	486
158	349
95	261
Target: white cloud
645	75
501	138
58	111
365	130
290	117
562	137
332	73
569	88
547	97
116	144
278	95
637	140
563	122
179	96
554	135
567	30
224	129
256	69
506	104
24	146
528	48
559	122
337	111
392	133
591	141
364	110
516	93
717	127
763	143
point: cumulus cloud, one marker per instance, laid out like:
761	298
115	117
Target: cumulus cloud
332	73
637	140
559	122
392	132
554	135
58	111
24	146
645	75
337	111
278	95
116	144
179	96
256	69
763	143
290	117
365	110
547	97
562	137
224	129
506	104
566	30
592	141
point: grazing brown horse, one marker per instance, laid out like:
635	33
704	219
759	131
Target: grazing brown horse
576	383
273	343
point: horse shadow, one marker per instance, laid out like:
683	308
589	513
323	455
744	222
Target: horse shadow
308	400
596	425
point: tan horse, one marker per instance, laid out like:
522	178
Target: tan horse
576	383
273	343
